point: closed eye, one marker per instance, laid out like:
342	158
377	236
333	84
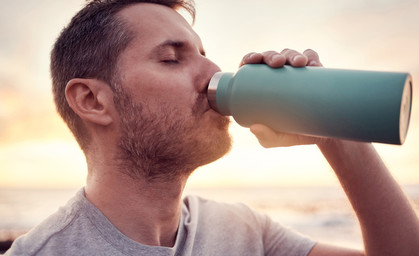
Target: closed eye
171	61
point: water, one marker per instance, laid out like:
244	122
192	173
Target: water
322	213
21	209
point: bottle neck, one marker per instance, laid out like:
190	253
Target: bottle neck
212	90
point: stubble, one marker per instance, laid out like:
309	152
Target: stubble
164	145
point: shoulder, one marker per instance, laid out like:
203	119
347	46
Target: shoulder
205	213
202	206
227	220
33	242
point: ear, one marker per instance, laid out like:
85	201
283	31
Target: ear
91	99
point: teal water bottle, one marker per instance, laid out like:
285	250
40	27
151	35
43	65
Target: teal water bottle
367	106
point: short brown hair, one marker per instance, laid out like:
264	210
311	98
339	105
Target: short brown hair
89	47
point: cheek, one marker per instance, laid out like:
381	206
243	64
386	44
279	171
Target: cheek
176	99
170	100
174	91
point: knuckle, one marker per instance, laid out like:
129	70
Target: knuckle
249	55
311	53
269	53
266	144
285	50
290	54
267	56
313	57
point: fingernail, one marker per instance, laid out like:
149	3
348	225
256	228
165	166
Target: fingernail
296	57
276	57
251	55
312	63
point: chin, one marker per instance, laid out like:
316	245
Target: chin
218	146
223	122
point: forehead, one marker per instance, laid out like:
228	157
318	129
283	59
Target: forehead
154	23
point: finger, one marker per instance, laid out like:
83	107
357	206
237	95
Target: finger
313	58
274	59
264	134
294	58
269	138
252	58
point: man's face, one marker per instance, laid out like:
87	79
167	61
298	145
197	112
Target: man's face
167	125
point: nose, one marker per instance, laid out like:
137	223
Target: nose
207	70
215	67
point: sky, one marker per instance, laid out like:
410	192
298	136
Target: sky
37	150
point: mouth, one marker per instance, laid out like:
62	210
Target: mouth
207	105
201	105
206	97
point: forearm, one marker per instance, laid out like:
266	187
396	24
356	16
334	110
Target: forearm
388	222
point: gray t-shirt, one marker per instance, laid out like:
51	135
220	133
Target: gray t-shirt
206	228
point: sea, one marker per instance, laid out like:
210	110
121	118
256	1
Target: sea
322	213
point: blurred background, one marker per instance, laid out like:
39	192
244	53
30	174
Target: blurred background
41	165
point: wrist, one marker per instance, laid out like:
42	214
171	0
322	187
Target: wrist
333	143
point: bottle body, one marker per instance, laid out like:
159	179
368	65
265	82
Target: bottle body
356	105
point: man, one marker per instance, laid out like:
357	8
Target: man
130	80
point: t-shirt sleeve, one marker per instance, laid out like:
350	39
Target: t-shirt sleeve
281	240
236	229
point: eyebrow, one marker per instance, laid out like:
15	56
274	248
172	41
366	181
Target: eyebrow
173	44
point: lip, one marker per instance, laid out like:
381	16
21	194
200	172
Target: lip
205	99
204	90
207	107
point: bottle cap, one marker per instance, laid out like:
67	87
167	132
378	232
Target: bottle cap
212	90
405	109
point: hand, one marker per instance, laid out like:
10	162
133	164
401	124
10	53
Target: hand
286	57
268	137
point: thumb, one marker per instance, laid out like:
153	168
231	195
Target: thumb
269	138
265	135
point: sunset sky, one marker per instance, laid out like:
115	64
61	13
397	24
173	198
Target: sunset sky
37	150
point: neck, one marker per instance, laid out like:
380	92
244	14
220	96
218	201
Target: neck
147	212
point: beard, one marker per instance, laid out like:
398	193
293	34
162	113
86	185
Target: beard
165	145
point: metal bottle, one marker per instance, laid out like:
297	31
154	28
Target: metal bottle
367	106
